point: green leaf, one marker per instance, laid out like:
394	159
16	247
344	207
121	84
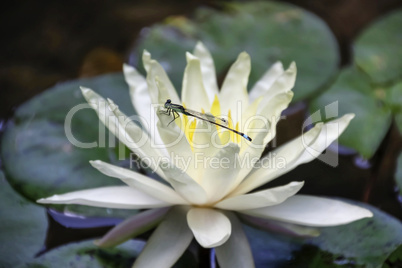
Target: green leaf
395	259
86	254
269	249
41	161
368	242
22	227
364	243
268	31
378	49
354	94
394	101
398	173
57	101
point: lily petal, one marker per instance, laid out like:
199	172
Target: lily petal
276	99
154	70
128	131
271	108
279	227
208	70
284	82
211	228
298	151
146	60
250	154
193	92
266	81
202	148
167	243
312	211
234	88
139	94
108	197
122	127
329	133
153	90
205	134
132	227
269	197
184	184
140	182
174	139
141	100
220	172
236	252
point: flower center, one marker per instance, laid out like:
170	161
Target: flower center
188	124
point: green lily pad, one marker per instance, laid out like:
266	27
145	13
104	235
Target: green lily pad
38	157
368	242
22	227
268	31
378	49
364	243
86	254
398	173
394	100
271	250
395	259
354	94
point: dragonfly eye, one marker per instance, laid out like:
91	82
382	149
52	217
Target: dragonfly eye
168	101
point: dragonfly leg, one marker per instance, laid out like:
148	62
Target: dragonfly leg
175	115
167	112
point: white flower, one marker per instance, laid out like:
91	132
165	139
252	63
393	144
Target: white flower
205	200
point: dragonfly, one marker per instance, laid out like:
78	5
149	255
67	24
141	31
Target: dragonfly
175	109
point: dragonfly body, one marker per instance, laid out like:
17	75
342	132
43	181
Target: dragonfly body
175	109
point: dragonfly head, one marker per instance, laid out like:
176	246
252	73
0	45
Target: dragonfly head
167	103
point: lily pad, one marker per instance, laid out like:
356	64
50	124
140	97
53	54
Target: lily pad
364	243
268	31
398	173
395	259
378	49
271	250
352	92
394	100
367	242
86	254
40	160
22	227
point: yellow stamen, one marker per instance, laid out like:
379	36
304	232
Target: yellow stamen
189	125
182	122
230	125
190	129
216	107
237	137
216	111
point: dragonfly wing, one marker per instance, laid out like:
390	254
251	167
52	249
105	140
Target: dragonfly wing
209	117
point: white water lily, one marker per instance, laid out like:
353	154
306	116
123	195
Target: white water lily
204	198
